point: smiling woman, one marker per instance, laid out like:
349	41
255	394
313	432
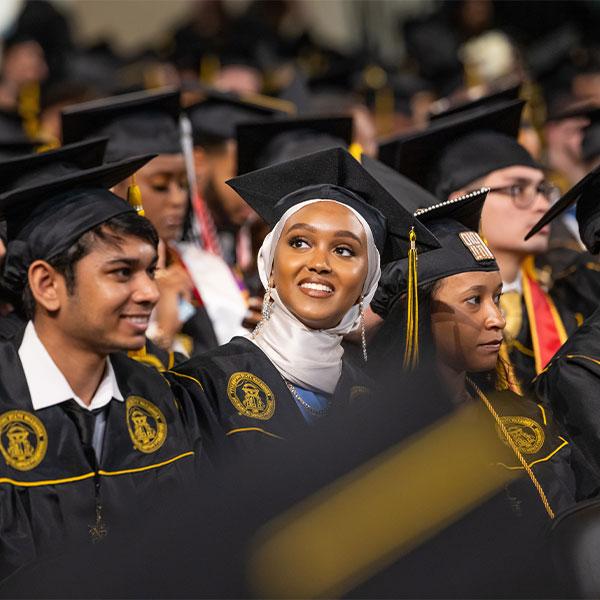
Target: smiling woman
332	226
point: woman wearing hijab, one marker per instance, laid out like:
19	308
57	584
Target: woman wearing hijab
460	337
332	224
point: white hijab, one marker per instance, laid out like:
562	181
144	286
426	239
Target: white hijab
307	357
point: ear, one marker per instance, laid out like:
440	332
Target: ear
47	285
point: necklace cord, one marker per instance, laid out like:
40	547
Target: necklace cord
306	405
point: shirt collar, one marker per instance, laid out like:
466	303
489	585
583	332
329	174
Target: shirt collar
513	286
48	386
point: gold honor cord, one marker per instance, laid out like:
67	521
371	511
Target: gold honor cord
514	448
411	350
371	517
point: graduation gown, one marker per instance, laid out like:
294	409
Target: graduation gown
570	384
51	493
562	473
247	398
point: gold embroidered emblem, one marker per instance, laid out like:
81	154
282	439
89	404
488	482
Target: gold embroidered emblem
146	424
525	432
251	396
359	392
23	440
476	246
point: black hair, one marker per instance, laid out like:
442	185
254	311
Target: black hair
386	350
110	232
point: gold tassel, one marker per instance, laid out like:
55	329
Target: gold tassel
134	197
356	150
411	350
506	378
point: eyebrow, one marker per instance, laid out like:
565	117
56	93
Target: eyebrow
340	233
480	288
525	181
130	261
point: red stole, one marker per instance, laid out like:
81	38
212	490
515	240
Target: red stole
547	330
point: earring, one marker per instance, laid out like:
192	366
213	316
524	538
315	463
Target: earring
266	312
363	337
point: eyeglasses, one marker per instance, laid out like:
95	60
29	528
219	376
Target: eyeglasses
523	195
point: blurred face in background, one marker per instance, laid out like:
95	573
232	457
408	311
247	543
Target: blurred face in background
214	166
24	63
506	218
164	188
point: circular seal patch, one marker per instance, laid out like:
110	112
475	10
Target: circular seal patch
525	432
251	396
146	424
23	440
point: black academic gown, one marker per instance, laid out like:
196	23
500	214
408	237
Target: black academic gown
50	488
563	474
248	399
577	285
570	385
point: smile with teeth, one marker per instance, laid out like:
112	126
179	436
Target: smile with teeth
318	287
138	320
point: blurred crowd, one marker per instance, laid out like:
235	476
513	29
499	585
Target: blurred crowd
270	414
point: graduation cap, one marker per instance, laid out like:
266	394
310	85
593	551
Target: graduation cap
421	203
585	193
55	201
262	144
52	165
136	123
445	107
215	117
13	140
335	175
457	150
461	251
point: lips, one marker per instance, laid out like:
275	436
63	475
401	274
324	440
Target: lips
317	289
492	345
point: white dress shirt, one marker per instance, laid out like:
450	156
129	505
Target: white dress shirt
49	387
513	286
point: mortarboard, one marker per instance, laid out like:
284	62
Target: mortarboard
215	117
421	203
462	250
333	174
136	123
585	192
54	201
455	151
447	108
262	144
51	165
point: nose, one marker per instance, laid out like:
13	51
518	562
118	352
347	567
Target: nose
178	196
146	291
494	318
318	261
541	203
